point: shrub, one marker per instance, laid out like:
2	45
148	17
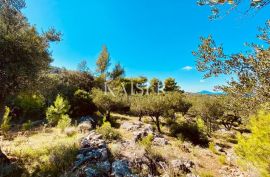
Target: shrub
55	112
5	126
222	159
146	142
108	132
82	104
27	126
212	147
255	148
64	122
30	105
188	132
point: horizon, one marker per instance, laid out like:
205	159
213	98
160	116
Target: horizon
146	42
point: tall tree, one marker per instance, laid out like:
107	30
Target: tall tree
24	52
155	85
117	72
170	85
103	61
82	67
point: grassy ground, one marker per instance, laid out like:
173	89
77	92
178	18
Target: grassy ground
42	152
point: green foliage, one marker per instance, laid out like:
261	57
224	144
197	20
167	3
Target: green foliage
255	148
103	61
5	125
64	122
117	72
108	132
209	108
24	51
146	142
212	147
251	69
188	131
30	104
170	85
200	124
155	85
157	105
82	104
27	126
55	112
107	102
222	159
45	154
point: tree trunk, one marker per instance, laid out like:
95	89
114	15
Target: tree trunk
158	124
108	116
140	118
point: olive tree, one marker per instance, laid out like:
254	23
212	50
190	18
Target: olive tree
108	102
158	105
24	52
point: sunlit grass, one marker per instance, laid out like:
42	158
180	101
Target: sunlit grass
45	153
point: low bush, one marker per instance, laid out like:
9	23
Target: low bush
255	147
212	147
146	142
222	159
108	132
188	132
27	125
5	125
64	122
57	110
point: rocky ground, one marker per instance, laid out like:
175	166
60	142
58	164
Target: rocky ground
166	157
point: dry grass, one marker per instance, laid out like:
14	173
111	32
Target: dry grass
43	153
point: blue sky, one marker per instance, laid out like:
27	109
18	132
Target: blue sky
152	38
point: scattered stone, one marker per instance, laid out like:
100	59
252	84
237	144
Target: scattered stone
158	141
182	166
120	168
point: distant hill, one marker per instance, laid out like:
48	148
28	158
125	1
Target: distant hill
206	92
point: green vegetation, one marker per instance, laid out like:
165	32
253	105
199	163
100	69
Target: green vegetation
27	125
29	84
255	148
45	154
57	111
5	125
64	122
108	132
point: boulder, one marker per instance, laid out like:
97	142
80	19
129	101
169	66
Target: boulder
160	141
120	168
182	166
98	169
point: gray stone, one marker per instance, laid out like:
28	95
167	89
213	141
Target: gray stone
98	169
160	141
120	168
182	165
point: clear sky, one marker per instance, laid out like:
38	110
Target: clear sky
152	38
